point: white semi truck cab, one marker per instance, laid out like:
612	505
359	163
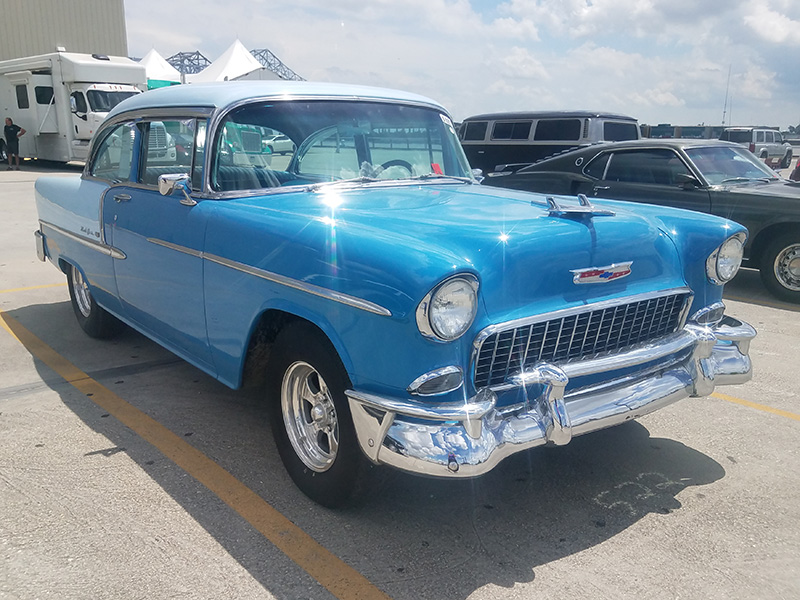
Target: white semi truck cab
61	98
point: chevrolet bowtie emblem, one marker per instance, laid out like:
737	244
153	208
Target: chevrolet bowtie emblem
601	274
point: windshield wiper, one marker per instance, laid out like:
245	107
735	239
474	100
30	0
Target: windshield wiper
315	186
748	179
442	176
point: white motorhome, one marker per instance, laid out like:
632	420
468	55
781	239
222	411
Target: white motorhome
61	98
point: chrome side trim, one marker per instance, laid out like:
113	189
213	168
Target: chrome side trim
88	242
309	288
302	286
176	247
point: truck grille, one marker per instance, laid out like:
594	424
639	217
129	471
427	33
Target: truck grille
577	335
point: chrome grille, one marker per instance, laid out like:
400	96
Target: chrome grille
576	335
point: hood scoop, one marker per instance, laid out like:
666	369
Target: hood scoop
584	208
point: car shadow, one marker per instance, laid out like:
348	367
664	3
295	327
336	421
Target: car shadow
748	287
410	536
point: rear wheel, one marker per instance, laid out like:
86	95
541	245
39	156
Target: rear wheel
780	267
787	160
95	321
311	419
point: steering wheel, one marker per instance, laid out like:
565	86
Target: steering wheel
398	163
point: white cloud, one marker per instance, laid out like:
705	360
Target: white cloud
658	60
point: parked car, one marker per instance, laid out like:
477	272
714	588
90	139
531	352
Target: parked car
498	141
279	144
709	176
398	311
767	144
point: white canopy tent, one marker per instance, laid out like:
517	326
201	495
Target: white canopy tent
235	63
159	72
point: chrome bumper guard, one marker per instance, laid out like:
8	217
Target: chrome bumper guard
469	438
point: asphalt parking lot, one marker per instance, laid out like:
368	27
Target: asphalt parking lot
127	473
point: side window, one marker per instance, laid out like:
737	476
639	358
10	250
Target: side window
778	137
44	94
80	102
474	131
168	148
22	96
759	137
619	132
597	166
511	130
769	137
558	129
243	157
112	161
658	167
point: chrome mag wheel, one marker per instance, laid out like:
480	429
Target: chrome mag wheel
83	298
309	416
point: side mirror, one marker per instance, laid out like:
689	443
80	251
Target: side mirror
73	106
687	182
167	184
478	174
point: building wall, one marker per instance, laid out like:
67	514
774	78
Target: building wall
31	27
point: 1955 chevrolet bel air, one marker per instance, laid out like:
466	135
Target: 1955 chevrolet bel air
396	310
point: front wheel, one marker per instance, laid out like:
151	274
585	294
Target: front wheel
95	321
780	267
310	415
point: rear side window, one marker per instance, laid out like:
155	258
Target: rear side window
597	167
645	166
619	132
558	129
737	136
512	130
474	131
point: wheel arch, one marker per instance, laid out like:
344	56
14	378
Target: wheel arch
766	235
265	330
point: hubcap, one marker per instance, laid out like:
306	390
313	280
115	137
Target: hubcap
83	297
309	416
787	267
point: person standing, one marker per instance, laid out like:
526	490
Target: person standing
12	134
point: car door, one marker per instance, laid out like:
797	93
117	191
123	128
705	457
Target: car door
160	280
651	175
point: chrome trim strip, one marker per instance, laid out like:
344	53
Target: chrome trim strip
176	247
88	242
280	279
302	286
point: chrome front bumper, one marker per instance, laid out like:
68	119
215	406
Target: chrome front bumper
470	438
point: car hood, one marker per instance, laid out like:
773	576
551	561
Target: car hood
784	189
399	241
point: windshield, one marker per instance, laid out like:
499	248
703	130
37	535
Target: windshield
102	101
728	165
334	140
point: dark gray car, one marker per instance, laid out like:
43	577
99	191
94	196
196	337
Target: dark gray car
709	176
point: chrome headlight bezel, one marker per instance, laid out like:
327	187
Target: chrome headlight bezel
723	264
430	318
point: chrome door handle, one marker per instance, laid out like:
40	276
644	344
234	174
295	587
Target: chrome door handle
121	198
602	187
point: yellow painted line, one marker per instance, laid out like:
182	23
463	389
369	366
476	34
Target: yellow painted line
33	287
769	409
330	571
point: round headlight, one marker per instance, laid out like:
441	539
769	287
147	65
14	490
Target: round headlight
448	311
725	261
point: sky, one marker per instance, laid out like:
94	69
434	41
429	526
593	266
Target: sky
684	62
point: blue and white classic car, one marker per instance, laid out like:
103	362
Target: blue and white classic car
397	311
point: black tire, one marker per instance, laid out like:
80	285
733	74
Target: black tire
314	430
3	153
95	321
780	267
787	160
